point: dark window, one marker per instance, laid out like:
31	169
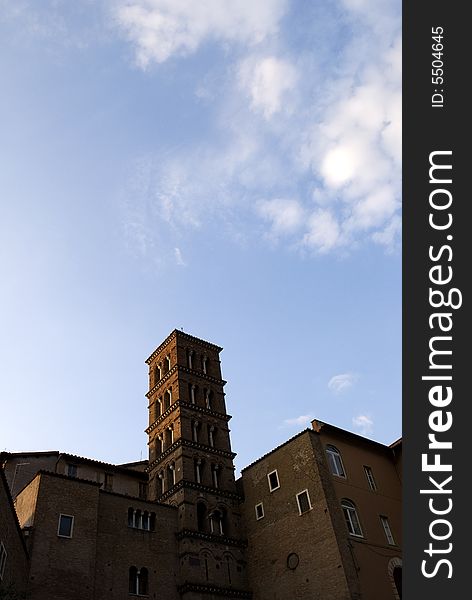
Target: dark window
3	559
335	461
138	581
72	470
370	478
397	578
202	519
352	520
273	481
66	523
303	500
387	530
259	511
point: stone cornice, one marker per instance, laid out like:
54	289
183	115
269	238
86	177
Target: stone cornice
213	590
184	483
175	368
185	336
195	407
188	444
211	537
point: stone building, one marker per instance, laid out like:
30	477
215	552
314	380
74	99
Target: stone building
317	518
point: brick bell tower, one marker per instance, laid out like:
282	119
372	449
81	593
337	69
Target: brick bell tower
191	466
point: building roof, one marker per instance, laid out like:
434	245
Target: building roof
4	484
317	426
79	459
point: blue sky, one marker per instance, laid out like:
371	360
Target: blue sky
229	168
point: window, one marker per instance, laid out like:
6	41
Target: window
215	473
205	364
72	470
201	516
198	470
3	559
303	500
211	435
65	527
352	520
167	364
370	478
138	581
335	461
195	430
259	508
387	530
190	359
170	476
216	522
138	519
273	481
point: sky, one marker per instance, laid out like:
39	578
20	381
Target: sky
229	168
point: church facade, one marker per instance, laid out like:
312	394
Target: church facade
318	517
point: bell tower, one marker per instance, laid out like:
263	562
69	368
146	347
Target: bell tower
191	465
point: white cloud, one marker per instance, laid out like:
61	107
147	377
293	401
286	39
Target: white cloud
268	82
301	421
160	29
342	382
363	423
324	232
316	157
284	215
178	258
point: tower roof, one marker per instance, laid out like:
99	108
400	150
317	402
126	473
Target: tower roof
185	336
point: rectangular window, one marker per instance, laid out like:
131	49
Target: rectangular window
3	559
259	511
72	470
387	531
370	478
65	527
304	504
273	480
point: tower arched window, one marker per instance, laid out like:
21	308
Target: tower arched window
159	407
190	355
192	388
159	445
166	364
215	475
335	461
167	398
216	522
211	435
130	517
205	364
195	430
168	438
198	470
157	374
160	483
201	516
351	518
170	476
208	398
